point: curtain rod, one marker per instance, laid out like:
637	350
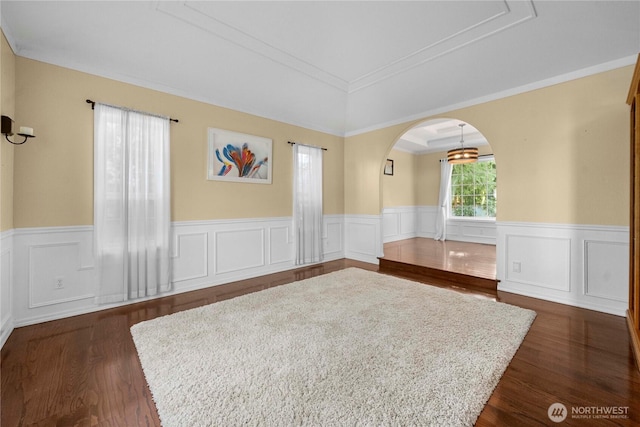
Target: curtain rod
93	105
307	145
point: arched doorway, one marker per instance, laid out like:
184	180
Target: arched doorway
411	196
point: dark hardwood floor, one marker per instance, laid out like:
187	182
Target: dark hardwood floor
84	370
471	265
460	257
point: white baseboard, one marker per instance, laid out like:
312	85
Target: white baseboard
580	265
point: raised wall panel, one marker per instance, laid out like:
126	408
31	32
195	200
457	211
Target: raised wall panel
390	224
191	256
472	230
479	231
240	249
333	241
280	246
427	221
543	261
408	222
602	276
453	230
363	237
53	262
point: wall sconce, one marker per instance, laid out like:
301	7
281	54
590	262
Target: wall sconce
7	130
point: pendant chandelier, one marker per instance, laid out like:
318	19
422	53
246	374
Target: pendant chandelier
462	155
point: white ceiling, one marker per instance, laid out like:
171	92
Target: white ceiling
342	67
439	135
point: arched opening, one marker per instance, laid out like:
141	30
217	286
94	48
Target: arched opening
411	201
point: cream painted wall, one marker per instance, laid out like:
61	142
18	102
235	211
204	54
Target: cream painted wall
364	157
428	178
54	172
7	107
561	151
399	189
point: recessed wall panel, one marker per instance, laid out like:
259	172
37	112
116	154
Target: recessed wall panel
239	249
390	224
333	242
539	261
191	256
280	248
55	275
603	276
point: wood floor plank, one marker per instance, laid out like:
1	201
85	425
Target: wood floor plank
471	259
467	265
84	370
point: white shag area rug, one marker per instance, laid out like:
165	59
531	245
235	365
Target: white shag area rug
352	348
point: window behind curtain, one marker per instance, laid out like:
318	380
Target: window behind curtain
131	203
307	203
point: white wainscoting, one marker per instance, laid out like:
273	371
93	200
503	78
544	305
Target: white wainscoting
6	285
48	273
580	265
405	222
399	223
53	273
472	230
363	237
427	221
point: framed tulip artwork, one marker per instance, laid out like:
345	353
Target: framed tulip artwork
238	157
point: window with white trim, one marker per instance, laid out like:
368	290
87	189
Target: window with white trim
473	189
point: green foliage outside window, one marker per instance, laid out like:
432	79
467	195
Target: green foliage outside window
473	189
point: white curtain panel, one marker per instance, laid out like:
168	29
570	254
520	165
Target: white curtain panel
307	203
131	204
443	200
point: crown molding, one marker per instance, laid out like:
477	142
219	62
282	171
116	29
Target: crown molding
562	78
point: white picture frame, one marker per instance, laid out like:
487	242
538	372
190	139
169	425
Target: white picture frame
238	157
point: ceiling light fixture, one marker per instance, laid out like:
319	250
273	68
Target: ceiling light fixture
462	155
